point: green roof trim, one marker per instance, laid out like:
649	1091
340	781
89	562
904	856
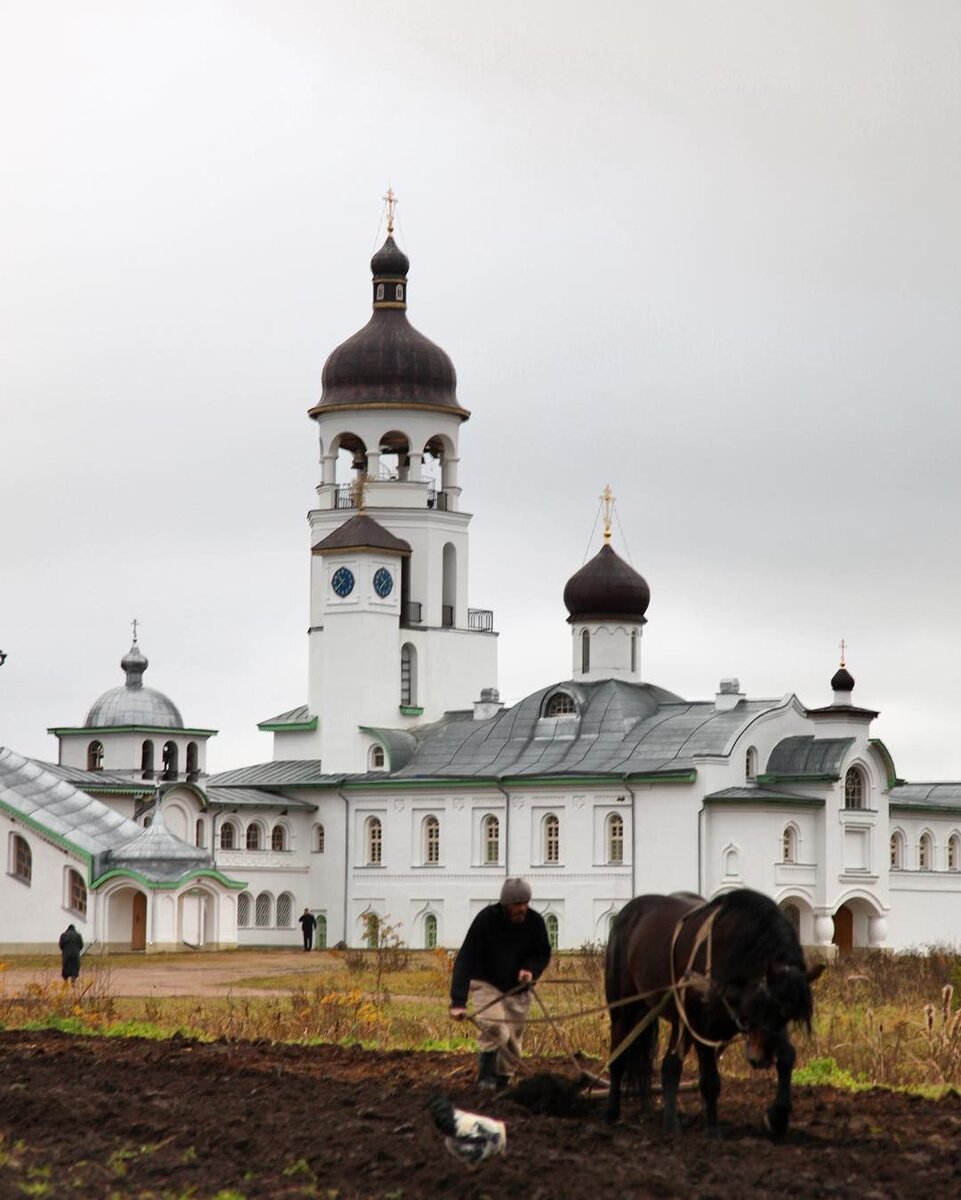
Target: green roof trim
288	726
433	783
942	809
153	885
825	778
411	710
885	755
765	798
70	730
43	831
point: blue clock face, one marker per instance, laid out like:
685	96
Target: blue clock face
383	582
342	581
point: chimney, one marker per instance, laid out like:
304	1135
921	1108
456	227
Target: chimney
489	704
729	695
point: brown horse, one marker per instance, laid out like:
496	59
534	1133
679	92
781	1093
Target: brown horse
718	969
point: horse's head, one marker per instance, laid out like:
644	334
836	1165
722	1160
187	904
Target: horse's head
763	1008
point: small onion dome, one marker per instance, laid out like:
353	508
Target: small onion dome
389	362
133	704
133	664
842	680
607	589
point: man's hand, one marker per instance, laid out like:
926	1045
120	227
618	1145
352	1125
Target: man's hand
525	977
457	1013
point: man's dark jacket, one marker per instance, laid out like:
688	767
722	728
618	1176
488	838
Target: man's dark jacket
71	943
495	950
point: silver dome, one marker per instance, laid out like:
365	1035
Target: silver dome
133	704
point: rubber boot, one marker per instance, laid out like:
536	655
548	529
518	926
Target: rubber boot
487	1069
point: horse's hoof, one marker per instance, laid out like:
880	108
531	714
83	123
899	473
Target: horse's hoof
776	1122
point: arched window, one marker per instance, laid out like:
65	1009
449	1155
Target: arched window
561	704
492	839
731	866
615	838
318	839
371	930
612	917
192	760
253	836
925	852
553	930
278	838
285	910
793	915
95	756
552	838
262	910
399	292
199	833
375	841
171	757
243	910
633	650
408	674
448	609
76	893
228	836
21	859
377	758
853	788
380	291
750	763
320	933
789	844
146	760
430	932
897	851
431	840
585	651
954	852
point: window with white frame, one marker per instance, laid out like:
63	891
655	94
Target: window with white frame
263	909
319	839
954	852
553	930
228	836
253	836
615	838
76	893
278	838
561	704
789	844
925	852
897	851
491	834
430	932
431	840
375	841
377	758
243	910
95	756
854	788
285	910
21	859
552	838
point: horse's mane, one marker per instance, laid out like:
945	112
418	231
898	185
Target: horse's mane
756	934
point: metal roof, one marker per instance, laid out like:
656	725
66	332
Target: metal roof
102	781
127	705
619	729
242	797
808	757
926	795
296	717
762	795
302	772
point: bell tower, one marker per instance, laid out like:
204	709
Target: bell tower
388	516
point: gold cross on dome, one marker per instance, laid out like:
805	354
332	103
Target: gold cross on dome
392	202
843	647
134	623
607	496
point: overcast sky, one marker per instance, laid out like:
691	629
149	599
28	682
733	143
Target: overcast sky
706	253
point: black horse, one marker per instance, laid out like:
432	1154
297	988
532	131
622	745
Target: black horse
714	969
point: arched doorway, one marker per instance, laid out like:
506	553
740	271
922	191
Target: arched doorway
844	930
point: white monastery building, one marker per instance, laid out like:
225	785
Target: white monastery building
402	789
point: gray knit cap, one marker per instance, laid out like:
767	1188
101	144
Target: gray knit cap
516	891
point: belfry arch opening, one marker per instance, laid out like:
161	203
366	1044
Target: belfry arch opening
394	457
350	459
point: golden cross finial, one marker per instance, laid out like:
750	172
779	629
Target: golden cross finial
607	496
843	646
135	623
392	202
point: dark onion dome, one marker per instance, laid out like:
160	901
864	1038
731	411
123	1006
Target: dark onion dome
388	362
842	680
607	589
133	704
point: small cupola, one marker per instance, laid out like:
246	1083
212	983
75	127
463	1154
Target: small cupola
842	683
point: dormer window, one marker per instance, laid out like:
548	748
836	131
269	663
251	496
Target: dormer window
377	759
561	704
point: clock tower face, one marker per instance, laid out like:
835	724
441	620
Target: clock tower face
342	581
383	582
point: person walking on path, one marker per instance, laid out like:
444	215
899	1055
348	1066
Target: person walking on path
308	923
506	946
71	943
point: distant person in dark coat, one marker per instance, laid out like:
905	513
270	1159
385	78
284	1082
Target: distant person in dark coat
506	946
308	923
71	943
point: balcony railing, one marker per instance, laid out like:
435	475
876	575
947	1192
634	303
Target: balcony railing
437	500
411	612
345	496
481	620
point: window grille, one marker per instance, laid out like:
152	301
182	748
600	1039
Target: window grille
553	930
374	841
561	704
319	839
285	910
853	789
432	840
430	932
243	910
262	909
